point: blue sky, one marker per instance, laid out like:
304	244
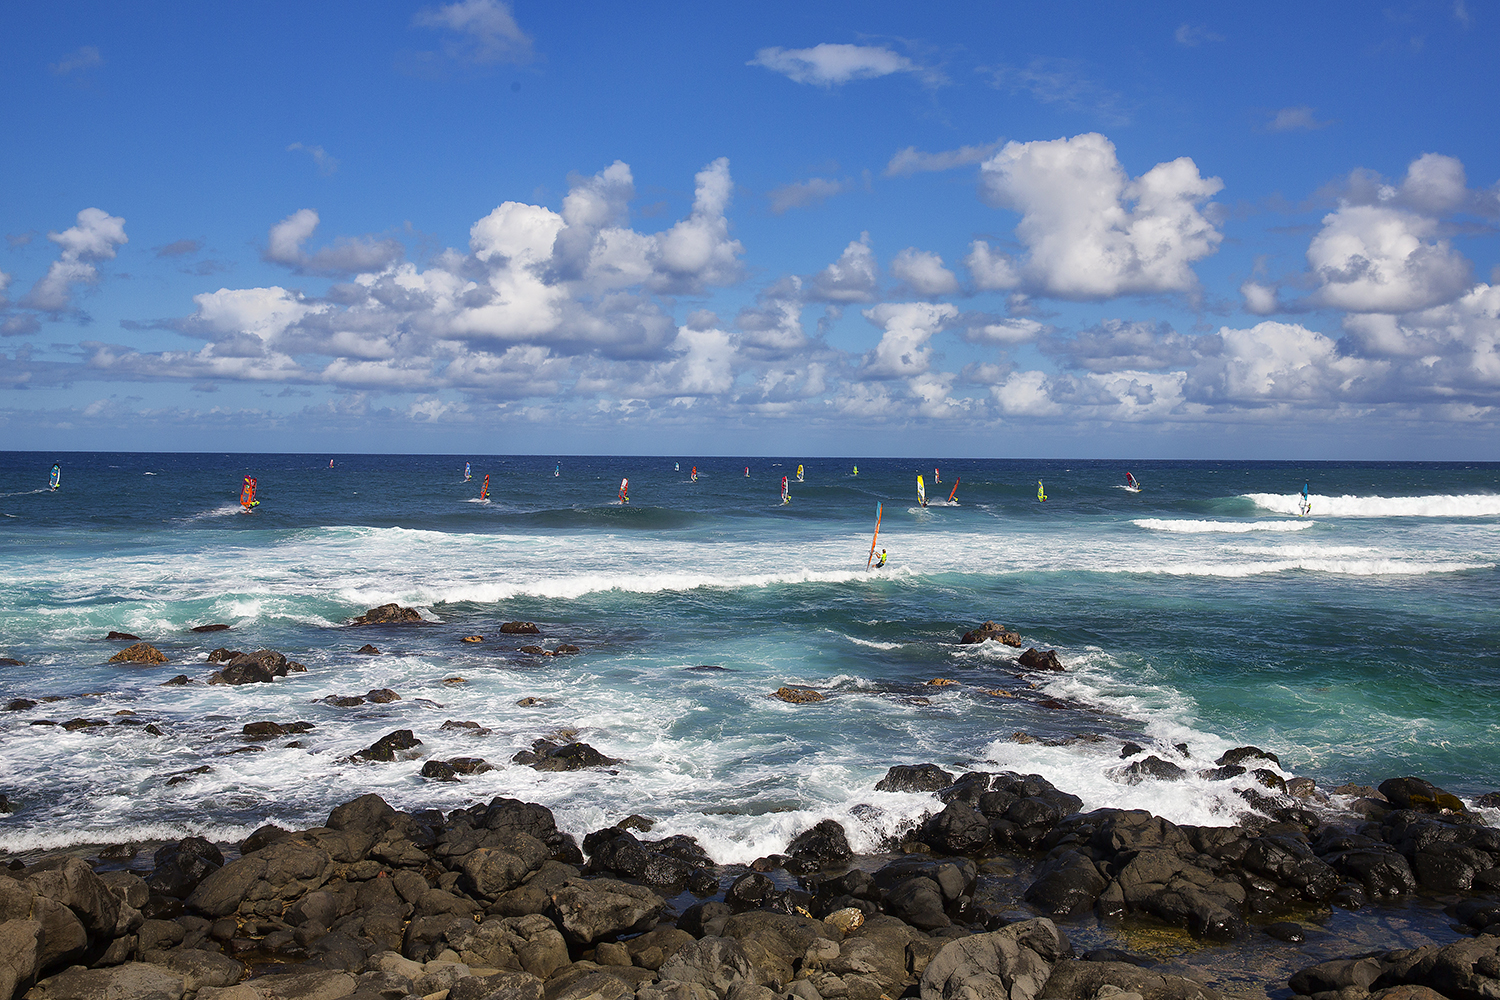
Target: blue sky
988	229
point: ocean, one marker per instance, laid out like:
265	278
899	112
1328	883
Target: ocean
1359	642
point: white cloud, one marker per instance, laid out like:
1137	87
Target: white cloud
903	350
346	256
1435	184
1451	347
1025	394
484	31
87	57
94	237
923	273
773	327
802	194
1005	332
1259	299
1279	362
851	278
698	251
1369	258
1090	231
1194	35
913	161
327	165
827	65
1295	119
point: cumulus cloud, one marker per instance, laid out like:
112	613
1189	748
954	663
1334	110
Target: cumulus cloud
851	278
1119	345
1004	332
480	31
828	65
903	350
772	328
803	194
93	238
1295	119
911	160
1370	258
347	255
1445	350
1090	231
923	273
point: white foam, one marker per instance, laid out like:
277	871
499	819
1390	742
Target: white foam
873	644
1464	505
1214	527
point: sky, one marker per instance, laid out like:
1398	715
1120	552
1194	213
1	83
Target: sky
990	229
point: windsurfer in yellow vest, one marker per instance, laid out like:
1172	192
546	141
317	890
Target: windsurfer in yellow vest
880	563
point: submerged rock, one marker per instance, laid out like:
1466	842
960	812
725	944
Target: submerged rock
261	667
122	637
520	628
545	755
989	630
217	627
798	695
368	650
141	652
389	746
1037	659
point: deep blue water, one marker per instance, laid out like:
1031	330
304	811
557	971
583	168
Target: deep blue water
1359	642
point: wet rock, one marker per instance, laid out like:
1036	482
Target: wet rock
1489	800
914	778
564	648
134	979
825	842
261	667
1152	767
217	627
437	770
1129	749
181	777
381	696
72	725
1036	659
1241	754
520	628
141	652
546	755
387	614
1414	793
388	747
19	704
1286	930
6	661
343	700
122	637
1066	885
181	866
958	829
1014	963
223	655
989	630
475	728
472	638
798	695
368	650
271	730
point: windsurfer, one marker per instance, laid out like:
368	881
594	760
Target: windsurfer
879	563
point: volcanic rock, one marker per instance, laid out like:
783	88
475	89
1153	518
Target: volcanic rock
520	628
914	778
219	627
1036	659
798	695
387	614
989	630
123	637
368	650
546	755
261	667
141	652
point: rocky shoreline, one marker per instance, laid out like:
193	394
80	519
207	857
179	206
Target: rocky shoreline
493	902
1005	890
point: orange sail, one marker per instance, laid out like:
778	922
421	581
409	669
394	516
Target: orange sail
878	509
247	493
624	491
484	491
955	488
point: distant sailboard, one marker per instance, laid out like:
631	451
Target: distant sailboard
955	490
856	470
935	477
468	472
786	496
247	495
747	472
1132	484
693	476
799	473
56	480
921	491
1040	495
557	471
1305	507
484	491
624	491
879	508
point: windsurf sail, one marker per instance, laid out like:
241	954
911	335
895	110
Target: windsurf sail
1130	482
955	488
799	473
484	491
747	472
935	477
871	560
56	479
786	497
624	490
468	472
921	491
694	476
856	470
1305	507
247	494
557	471
330	463
1040	495
676	466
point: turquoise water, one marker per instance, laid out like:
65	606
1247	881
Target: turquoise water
1358	642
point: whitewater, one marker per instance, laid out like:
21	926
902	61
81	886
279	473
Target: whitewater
1198	615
